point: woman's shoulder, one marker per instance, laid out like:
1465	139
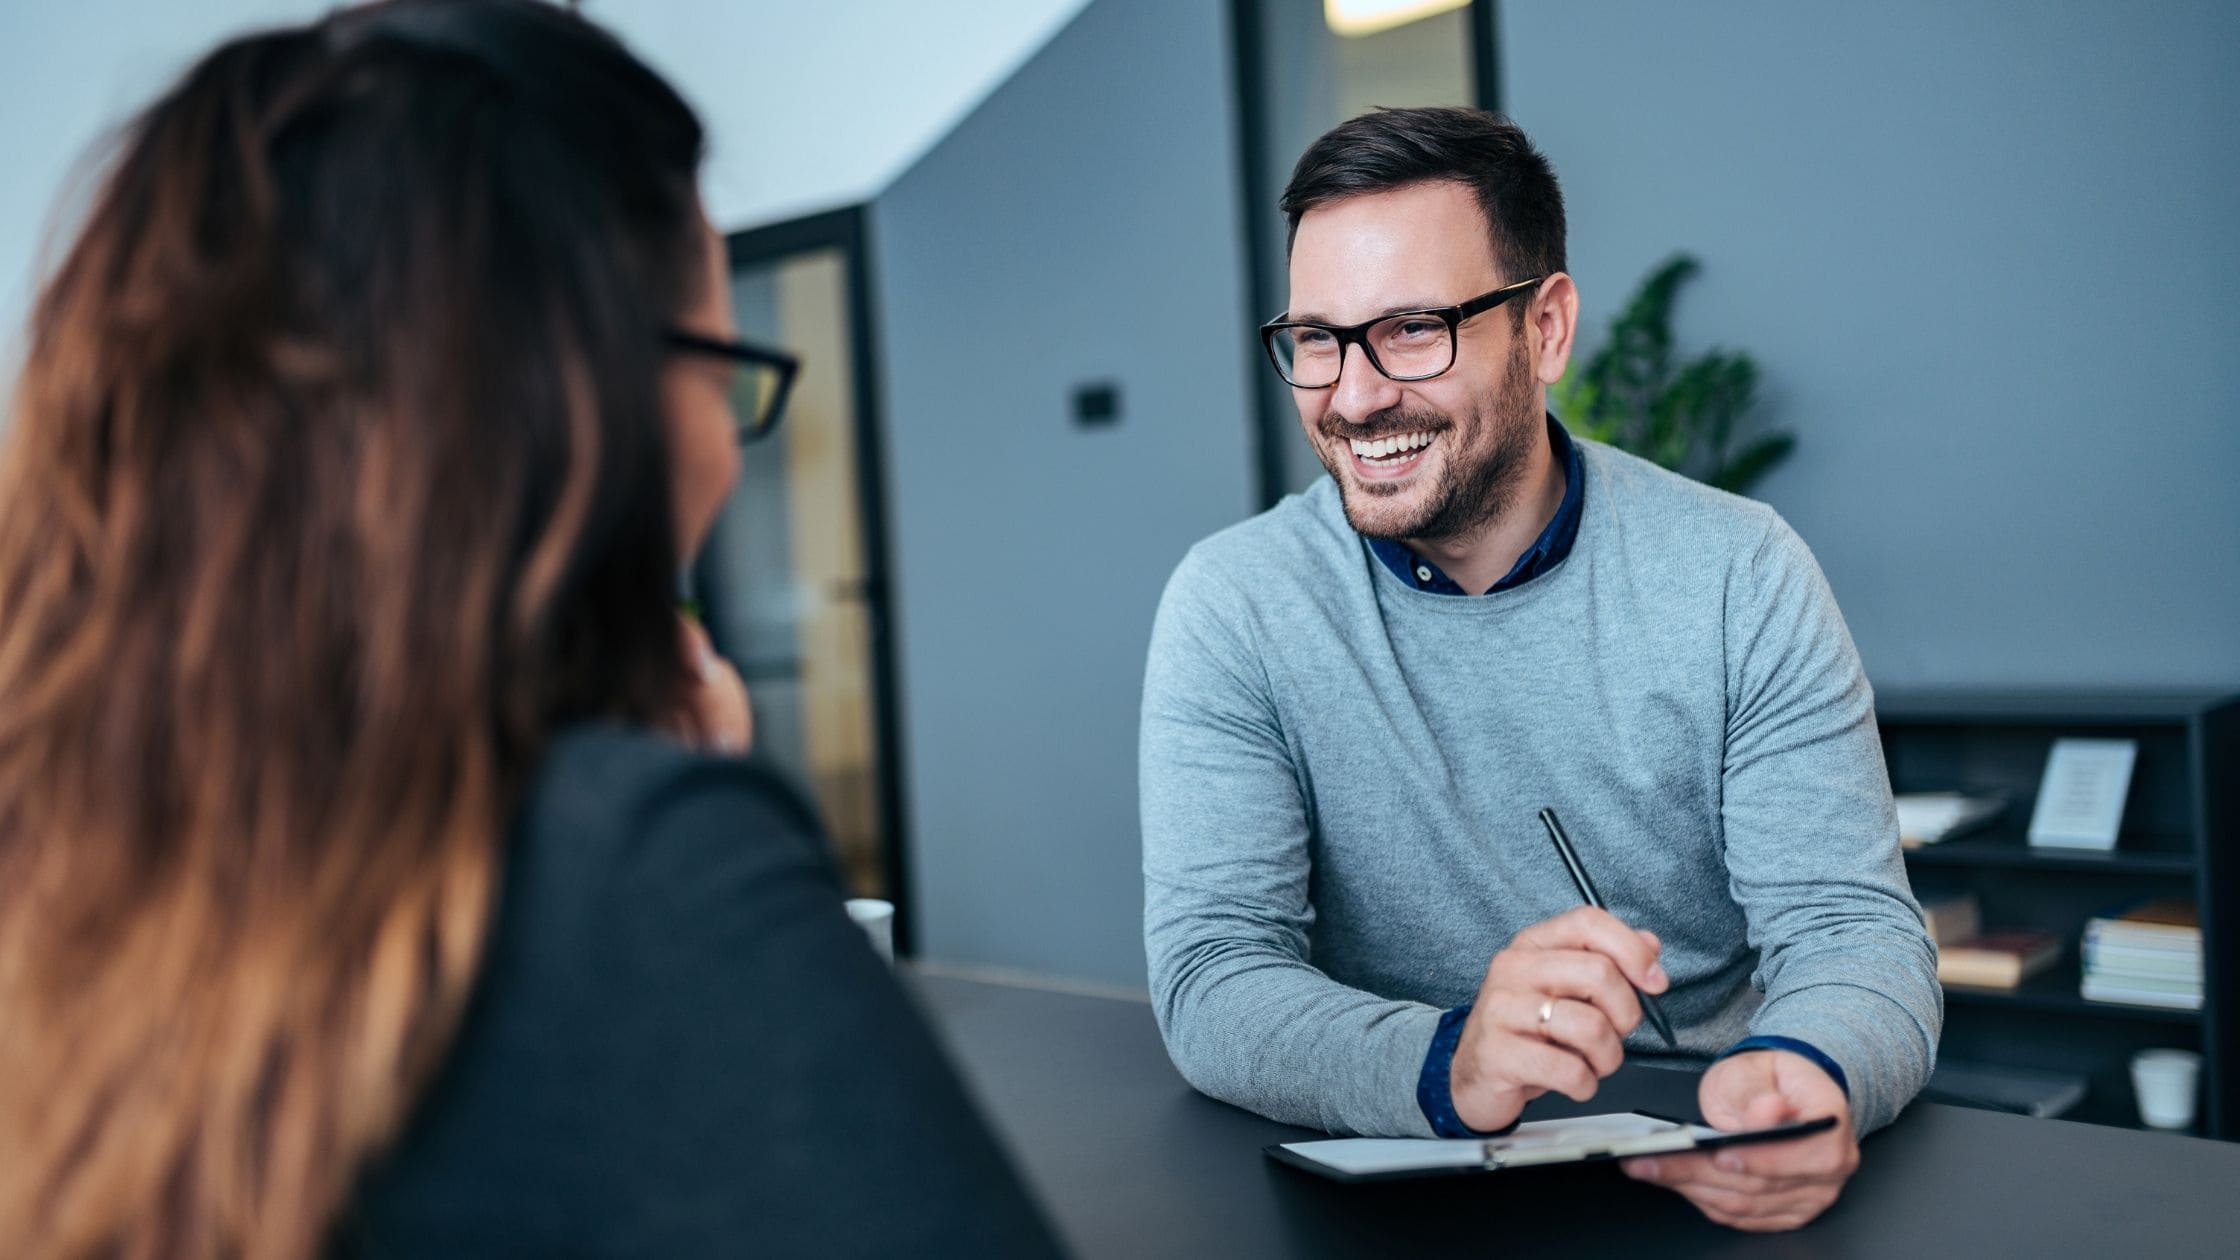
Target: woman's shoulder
677	1037
608	797
612	777
629	844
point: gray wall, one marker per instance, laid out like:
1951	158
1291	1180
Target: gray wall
1081	225
1987	255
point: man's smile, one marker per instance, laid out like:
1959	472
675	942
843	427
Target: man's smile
1386	458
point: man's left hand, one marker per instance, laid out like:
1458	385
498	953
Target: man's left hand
1774	1185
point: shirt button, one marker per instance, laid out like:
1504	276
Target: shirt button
1423	573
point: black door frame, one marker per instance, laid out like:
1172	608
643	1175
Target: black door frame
847	231
1249	76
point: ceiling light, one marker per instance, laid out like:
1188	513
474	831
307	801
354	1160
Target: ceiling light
1368	17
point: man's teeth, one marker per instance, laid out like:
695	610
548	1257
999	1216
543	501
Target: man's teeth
1384	448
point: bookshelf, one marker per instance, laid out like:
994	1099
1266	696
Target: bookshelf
2180	837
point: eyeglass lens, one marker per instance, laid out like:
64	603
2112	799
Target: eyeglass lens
754	397
1404	346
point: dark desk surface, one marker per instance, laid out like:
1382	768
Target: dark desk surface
1130	1161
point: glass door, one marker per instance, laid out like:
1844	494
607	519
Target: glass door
790	584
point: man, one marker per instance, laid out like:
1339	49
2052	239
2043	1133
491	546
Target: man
1358	701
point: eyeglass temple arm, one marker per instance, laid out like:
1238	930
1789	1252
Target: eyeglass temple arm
1480	305
737	351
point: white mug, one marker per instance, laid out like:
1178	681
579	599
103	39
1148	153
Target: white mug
2165	1082
876	918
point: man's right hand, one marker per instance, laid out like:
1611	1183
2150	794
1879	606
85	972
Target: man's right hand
1552	1014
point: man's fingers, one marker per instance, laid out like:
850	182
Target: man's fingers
1520	1057
1699	1170
1553	1067
1773	1168
1780	1210
1682	1168
1767	1110
1758	1212
1736	1088
1821	1156
1588	928
1584	1029
1536	1062
1578	974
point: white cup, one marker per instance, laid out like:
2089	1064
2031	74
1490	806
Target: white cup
876	918
2164	1080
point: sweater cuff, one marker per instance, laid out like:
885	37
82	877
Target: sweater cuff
1769	1041
1435	1086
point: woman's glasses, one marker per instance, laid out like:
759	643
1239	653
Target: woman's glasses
762	381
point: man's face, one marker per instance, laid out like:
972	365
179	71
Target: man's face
1465	436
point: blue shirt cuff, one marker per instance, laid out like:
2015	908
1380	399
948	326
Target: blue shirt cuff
1434	1085
1768	1041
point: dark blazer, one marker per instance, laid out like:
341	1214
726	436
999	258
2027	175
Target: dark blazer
681	1046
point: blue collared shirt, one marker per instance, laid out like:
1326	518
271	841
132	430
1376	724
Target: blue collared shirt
1434	1086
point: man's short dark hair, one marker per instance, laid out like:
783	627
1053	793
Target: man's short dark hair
1386	149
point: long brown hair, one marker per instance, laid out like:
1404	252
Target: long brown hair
337	481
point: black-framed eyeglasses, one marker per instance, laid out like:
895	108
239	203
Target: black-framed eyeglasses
763	381
1405	346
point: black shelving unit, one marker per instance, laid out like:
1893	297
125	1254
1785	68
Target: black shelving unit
2180	837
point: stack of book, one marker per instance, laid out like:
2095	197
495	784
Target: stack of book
2150	955
1967	955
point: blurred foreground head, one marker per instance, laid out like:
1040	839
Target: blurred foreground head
337	479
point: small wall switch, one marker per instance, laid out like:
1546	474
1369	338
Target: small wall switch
1096	405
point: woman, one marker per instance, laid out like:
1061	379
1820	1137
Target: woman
349	899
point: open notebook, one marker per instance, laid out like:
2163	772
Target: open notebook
1576	1140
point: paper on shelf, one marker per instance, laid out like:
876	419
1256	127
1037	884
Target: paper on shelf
2080	802
1927	817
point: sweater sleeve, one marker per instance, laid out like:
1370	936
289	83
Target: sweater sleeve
1812	839
1246	1016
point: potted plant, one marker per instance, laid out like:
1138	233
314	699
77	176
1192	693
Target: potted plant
1685	416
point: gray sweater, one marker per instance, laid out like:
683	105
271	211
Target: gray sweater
1340	777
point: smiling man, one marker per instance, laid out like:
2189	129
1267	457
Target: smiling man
1358	701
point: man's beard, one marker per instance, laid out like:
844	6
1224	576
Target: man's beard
1469	497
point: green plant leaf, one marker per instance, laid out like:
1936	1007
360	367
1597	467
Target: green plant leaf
1755	461
1630	394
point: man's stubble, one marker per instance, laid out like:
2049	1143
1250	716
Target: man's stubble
1469	497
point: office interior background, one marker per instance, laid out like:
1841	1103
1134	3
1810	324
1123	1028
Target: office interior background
1983	253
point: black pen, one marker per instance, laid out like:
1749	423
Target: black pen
1570	858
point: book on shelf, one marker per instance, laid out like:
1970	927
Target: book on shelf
2102	958
2022	1091
2143	991
2169	922
1997	960
2149	955
1952	919
1928	817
